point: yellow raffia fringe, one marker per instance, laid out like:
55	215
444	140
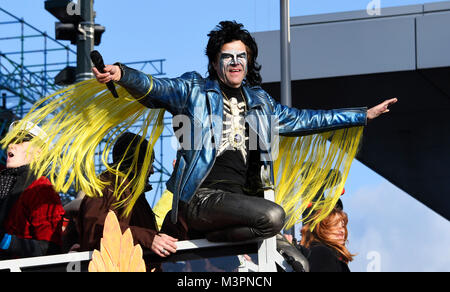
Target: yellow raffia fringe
77	119
305	172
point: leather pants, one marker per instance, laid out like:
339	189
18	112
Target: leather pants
224	216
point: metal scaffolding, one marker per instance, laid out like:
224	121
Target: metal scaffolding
29	61
29	66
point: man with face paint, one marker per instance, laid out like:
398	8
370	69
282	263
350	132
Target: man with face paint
232	64
218	188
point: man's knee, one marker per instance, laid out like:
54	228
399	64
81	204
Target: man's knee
273	221
277	218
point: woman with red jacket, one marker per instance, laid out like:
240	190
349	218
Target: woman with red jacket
31	212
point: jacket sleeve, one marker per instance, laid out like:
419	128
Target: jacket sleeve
45	215
142	236
170	94
91	221
91	218
296	122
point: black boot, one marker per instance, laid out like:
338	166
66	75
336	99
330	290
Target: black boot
293	256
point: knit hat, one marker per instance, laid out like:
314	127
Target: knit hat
128	141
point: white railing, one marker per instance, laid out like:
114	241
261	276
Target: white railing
70	259
73	260
268	256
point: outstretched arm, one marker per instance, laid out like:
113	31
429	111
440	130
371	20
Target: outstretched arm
298	122
170	94
295	122
380	109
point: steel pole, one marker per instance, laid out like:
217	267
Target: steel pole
85	42
285	52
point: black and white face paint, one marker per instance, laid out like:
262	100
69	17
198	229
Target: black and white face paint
232	62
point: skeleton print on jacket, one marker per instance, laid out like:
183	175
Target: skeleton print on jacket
234	135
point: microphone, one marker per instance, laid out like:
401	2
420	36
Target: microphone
97	59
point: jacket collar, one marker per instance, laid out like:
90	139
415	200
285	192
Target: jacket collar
253	100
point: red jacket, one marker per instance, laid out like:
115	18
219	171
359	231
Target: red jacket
37	214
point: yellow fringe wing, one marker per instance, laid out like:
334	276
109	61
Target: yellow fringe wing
305	172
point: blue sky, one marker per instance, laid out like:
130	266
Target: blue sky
388	229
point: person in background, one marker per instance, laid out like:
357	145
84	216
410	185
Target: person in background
31	212
327	242
141	221
164	204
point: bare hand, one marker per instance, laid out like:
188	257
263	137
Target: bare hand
382	108
112	72
164	245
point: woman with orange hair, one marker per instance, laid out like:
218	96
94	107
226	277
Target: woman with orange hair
327	242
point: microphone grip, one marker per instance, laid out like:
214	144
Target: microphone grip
97	60
112	88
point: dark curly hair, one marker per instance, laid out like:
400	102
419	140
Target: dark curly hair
226	32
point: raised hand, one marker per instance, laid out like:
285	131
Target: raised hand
112	72
382	108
